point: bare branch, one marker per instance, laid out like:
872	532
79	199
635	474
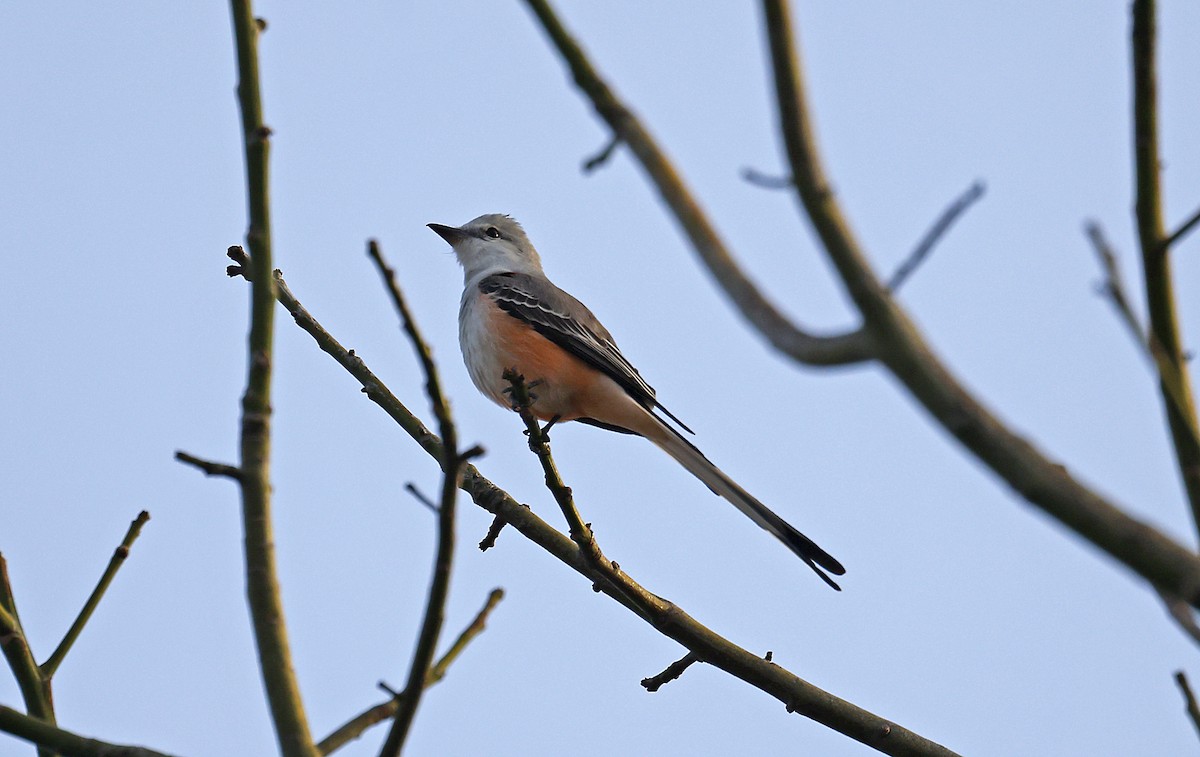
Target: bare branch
50	666
1181	232
673	671
601	157
358	725
1164	336
493	533
57	741
1183	615
1192	708
603	570
35	690
452	462
412	489
1041	481
889	334
208	467
1113	289
262	585
759	179
812	349
1113	286
938	230
799	695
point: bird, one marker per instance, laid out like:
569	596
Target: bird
512	316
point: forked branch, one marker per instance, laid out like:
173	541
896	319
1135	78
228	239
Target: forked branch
888	334
262	585
798	695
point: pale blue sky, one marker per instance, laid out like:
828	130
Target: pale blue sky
967	616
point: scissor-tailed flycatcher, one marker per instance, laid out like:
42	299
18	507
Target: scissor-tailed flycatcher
512	316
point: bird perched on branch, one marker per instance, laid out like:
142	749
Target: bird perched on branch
512	316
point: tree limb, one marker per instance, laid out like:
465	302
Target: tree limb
451	461
35	690
356	726
262	584
1048	485
1164	336
889	332
798	695
811	349
65	743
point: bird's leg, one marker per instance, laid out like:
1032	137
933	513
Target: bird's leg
546	428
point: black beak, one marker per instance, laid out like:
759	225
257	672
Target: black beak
452	234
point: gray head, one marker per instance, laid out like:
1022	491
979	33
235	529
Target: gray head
492	243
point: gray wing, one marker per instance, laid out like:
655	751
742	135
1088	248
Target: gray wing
568	323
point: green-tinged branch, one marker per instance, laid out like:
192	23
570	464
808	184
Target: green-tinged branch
50	666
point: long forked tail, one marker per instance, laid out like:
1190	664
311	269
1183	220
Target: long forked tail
671	442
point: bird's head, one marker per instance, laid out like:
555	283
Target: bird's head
492	243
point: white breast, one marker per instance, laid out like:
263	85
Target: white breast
479	349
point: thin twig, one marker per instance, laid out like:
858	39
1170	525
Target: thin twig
493	533
1181	232
603	570
358	725
669	619
1114	290
419	496
1113	286
452	461
57	741
262	584
209	467
673	671
1164	333
50	666
522	402
1192	708
935	233
1182	614
766	181
601	157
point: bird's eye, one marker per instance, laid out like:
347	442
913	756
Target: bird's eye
492	232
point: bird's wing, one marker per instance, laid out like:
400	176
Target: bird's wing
568	323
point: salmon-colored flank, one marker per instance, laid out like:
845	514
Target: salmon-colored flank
567	387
